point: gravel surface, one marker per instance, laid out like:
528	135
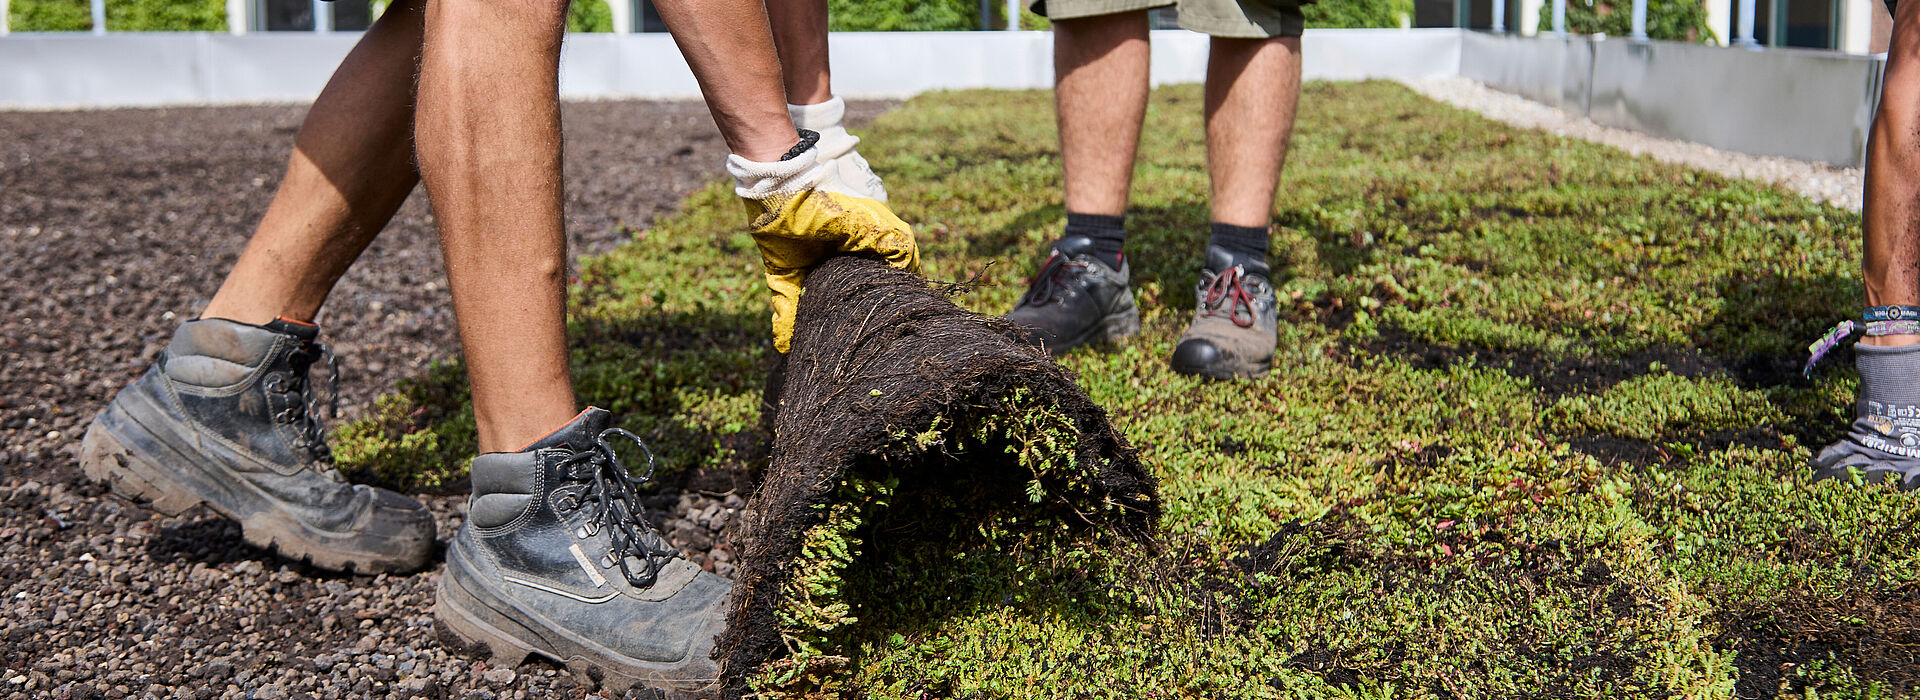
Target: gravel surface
1841	187
117	225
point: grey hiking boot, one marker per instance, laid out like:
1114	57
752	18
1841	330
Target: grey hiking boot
226	417
1235	321
1076	299
556	560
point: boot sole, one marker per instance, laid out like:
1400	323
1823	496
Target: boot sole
465	623
1111	327
141	465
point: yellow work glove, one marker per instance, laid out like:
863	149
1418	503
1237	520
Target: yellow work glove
801	217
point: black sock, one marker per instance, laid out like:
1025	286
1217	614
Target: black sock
1247	244
1108	233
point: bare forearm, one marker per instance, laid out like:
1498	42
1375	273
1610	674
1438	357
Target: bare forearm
729	45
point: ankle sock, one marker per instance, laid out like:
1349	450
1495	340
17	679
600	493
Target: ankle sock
1247	244
1108	233
819	117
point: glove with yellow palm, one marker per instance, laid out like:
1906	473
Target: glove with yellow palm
802	215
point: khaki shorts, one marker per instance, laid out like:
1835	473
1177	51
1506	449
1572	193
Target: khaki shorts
1233	19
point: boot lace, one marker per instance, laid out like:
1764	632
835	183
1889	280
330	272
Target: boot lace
1055	277
304	414
1226	295
616	506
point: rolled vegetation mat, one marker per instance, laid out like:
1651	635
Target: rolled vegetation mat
915	444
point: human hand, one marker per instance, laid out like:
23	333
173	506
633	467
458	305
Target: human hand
799	220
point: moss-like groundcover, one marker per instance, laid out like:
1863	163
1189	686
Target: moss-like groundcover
1535	427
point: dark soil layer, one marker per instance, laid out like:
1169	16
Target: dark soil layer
879	358
1872	631
115	226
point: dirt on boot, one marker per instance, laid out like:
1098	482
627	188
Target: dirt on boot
895	399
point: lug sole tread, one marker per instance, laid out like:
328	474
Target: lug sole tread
140	479
467	634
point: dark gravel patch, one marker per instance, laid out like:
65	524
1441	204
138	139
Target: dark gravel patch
117	225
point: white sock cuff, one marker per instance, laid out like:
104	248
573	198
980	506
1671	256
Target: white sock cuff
826	115
756	180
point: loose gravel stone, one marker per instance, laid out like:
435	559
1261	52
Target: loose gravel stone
1840	187
115	226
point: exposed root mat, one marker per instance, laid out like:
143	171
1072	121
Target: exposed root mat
904	420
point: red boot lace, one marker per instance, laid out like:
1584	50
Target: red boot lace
1227	297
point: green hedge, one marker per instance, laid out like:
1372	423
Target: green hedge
1669	20
596	16
590	16
122	15
962	15
1348	14
202	15
903	15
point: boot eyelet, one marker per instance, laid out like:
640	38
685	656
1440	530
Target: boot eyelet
276	384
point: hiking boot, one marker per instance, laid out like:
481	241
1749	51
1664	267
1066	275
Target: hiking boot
556	560
1077	299
1235	321
226	417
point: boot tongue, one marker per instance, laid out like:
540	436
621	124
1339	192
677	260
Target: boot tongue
1074	245
1218	260
304	331
579	434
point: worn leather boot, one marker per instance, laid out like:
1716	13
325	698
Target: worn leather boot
555	559
1076	299
226	417
1236	321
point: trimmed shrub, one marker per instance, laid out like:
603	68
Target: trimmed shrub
1352	14
122	15
204	15
1668	20
49	16
590	16
903	15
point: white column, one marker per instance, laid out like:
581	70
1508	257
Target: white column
1530	16
99	16
3	18
1559	17
1720	20
1745	37
1856	26
239	16
1639	21
1013	15
622	11
1499	16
